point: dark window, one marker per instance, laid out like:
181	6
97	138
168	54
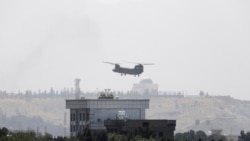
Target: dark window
145	124
160	134
80	117
87	117
80	128
84	128
83	116
73	117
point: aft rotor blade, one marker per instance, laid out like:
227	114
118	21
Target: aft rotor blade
109	63
139	63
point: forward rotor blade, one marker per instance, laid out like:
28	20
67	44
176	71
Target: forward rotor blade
110	63
131	62
148	64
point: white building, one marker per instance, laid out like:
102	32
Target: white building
146	86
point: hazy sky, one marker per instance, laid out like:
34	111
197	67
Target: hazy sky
196	45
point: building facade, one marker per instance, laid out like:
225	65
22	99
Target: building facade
92	113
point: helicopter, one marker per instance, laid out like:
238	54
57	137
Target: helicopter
136	71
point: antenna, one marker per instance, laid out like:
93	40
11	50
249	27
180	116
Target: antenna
65	124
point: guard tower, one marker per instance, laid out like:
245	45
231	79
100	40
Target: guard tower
77	88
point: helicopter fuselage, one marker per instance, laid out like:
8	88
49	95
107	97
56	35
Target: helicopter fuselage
137	70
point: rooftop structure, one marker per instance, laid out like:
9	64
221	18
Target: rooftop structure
77	88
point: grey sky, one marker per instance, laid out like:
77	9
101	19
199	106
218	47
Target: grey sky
196	45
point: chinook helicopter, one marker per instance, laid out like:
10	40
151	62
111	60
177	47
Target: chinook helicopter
136	71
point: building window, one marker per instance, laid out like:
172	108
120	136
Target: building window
80	129
145	124
83	128
160	134
87	117
83	116
72	128
98	120
73	117
80	117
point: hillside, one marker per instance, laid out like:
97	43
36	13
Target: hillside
198	113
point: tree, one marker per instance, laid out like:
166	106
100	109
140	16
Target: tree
201	136
4	132
191	136
202	93
244	136
216	137
100	136
116	137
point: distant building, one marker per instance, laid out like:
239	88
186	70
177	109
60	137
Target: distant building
216	131
91	113
146	86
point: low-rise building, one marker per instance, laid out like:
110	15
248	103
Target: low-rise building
91	113
163	129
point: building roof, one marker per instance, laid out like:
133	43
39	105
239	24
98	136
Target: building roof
107	103
146	81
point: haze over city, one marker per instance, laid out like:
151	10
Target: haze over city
195	45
